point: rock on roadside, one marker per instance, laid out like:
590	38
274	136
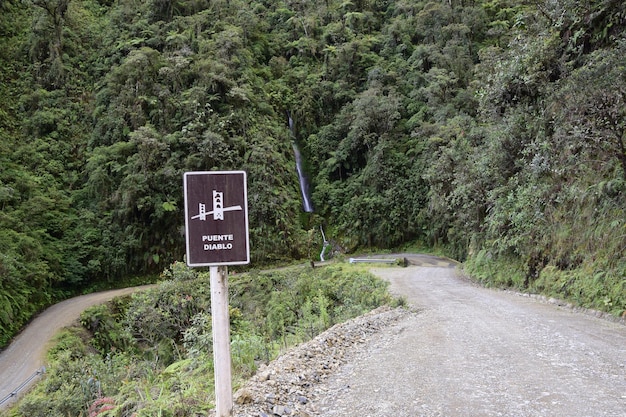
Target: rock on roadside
291	384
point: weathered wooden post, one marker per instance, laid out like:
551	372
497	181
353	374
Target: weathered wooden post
216	232
221	341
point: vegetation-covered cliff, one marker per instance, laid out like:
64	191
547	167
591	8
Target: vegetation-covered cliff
493	128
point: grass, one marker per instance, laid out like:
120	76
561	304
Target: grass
150	354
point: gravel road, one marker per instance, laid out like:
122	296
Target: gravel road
26	354
472	351
463	351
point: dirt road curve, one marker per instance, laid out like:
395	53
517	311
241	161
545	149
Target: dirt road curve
472	351
25	355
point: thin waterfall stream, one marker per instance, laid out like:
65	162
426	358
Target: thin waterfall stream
304	184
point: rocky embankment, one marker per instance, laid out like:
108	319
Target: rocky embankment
292	385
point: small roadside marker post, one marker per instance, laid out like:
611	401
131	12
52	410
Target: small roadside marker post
216	232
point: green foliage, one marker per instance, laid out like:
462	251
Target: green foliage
179	271
103	322
245	352
294	304
505	273
74	378
153	350
472	125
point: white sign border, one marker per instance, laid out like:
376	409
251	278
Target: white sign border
187	214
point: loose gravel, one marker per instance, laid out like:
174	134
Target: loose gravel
294	384
459	351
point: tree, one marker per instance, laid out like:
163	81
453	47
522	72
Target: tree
47	46
589	110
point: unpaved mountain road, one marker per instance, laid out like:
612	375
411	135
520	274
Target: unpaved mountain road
471	351
25	355
467	351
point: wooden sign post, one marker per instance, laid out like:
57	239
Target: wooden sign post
216	228
221	341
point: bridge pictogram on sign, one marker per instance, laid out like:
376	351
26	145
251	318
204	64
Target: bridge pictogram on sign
216	218
218	208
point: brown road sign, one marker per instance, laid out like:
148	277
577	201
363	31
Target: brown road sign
216	218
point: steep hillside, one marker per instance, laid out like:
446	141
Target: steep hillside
494	129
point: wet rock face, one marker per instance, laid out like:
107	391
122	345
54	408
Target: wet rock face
290	385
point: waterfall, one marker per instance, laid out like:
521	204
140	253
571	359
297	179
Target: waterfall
304	185
326	244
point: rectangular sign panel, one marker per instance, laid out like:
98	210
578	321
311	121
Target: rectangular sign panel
216	218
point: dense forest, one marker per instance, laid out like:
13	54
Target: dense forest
495	129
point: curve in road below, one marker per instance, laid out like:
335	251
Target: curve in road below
26	353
